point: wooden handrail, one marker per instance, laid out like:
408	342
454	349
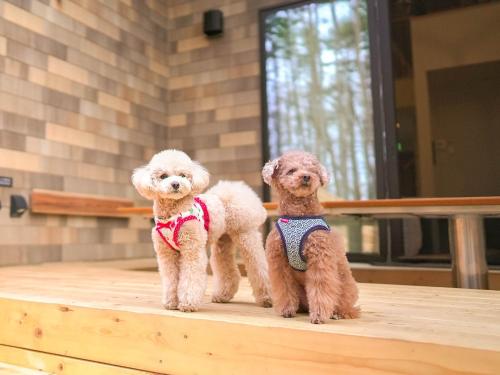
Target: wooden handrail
148	211
406	202
415	202
372	203
64	203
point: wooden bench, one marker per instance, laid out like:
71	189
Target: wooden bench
63	203
86	317
466	229
466	215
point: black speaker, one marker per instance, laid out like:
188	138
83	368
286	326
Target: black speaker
213	22
18	205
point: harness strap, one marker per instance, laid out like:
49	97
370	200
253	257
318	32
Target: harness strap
294	231
173	225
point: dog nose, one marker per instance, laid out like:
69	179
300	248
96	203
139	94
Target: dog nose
175	185
306	178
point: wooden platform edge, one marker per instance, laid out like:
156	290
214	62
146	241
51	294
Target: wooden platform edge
8	369
173	344
46	363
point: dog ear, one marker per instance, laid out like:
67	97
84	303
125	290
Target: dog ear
269	170
323	175
141	179
201	178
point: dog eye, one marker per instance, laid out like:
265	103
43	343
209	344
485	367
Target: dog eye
164	176
182	175
291	171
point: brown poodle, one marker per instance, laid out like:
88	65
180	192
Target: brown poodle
308	268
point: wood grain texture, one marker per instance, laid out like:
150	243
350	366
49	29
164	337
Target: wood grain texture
469	202
362	272
403	329
7	369
407	202
63	203
33	362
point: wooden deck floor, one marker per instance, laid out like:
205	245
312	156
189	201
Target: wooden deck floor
6	369
79	320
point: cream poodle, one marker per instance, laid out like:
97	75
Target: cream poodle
227	215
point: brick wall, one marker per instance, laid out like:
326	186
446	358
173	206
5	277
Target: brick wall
83	91
90	89
214	88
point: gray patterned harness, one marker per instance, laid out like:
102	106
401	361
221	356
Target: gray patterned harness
294	231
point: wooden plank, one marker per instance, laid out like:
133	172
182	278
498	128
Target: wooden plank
406	202
402	206
63	203
416	202
179	345
363	272
424	207
44	363
7	369
89	313
135	264
410	275
145	211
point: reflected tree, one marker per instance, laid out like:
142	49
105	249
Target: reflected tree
318	90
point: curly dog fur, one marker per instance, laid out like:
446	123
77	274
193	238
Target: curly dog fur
172	180
327	288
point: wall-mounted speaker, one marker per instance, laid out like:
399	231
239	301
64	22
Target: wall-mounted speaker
213	22
18	205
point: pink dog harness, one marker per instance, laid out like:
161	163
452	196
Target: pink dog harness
169	229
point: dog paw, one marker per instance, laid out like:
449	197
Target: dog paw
170	304
288	313
336	316
317	321
353	314
220	299
316	318
187	307
266	302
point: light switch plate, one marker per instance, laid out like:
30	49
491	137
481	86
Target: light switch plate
5	181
